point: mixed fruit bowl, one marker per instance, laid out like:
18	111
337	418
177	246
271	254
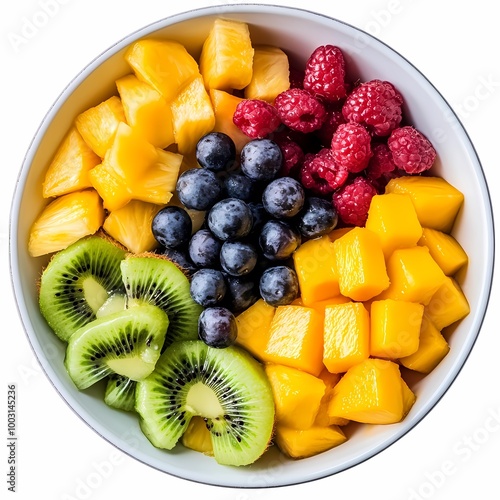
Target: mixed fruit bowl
247	252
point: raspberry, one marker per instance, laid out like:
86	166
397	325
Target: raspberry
320	174
376	104
351	146
353	200
256	118
411	151
333	119
293	157
325	73
299	110
381	162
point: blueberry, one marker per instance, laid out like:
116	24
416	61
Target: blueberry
279	286
230	218
204	249
172	227
278	240
181	259
198	188
238	258
317	218
259	216
283	197
242	292
261	159
208	287
238	186
216	151
217	327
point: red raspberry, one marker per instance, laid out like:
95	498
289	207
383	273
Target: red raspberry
333	119
325	73
380	163
351	146
353	200
320	174
300	110
411	151
377	105
293	157
256	118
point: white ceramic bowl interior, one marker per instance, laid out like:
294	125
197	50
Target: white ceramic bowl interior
299	32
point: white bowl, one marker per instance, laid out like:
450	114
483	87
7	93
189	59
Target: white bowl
299	32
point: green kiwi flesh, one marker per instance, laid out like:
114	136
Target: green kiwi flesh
227	387
76	283
158	281
120	392
127	343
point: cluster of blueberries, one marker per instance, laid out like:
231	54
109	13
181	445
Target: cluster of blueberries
254	222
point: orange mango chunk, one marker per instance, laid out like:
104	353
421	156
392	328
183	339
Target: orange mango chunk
436	201
346	336
432	348
370	392
444	249
297	395
447	305
314	263
394	328
414	274
338	233
253	328
360	264
308	442
394	219
321	305
322	417
296	339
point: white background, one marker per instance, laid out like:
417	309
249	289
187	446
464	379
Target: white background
455	44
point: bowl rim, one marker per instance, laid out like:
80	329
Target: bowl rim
238	8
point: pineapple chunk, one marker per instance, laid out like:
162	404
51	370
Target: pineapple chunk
69	170
131	226
224	107
227	56
197	437
193	115
164	64
64	221
146	110
270	75
98	125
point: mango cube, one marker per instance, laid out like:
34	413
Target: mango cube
338	233
322	417
346	336
253	328
370	392
308	442
394	219
360	264
321	305
316	271
296	339
444	249
431	350
436	201
297	395
414	275
394	328
447	305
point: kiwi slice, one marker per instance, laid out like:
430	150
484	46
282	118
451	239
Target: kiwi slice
227	387
127	343
120	392
77	282
156	280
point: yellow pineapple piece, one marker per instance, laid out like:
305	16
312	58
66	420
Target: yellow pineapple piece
146	110
197	436
131	226
98	125
192	114
112	188
224	107
166	65
227	56
270	73
298	443
69	169
64	221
